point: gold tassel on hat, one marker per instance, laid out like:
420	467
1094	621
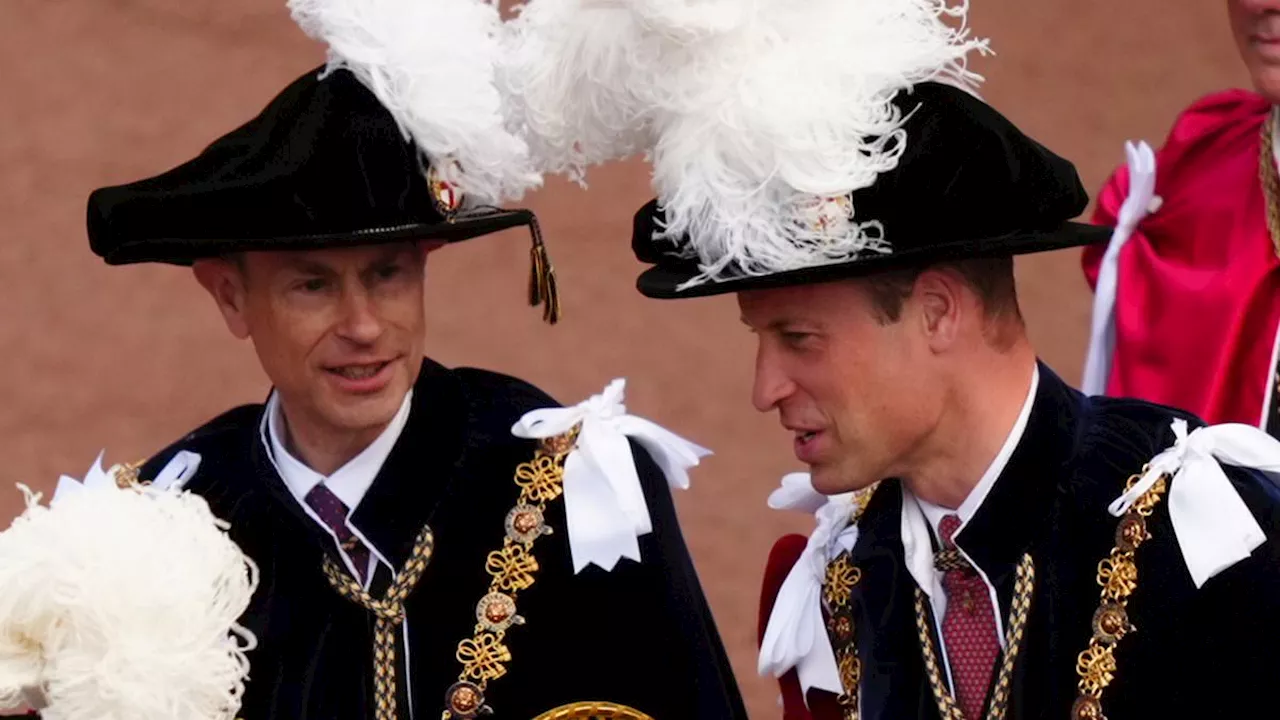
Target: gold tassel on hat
542	278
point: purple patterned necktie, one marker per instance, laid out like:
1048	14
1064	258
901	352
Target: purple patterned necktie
333	513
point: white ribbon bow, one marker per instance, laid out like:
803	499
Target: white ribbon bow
1140	202
604	503
1214	527
175	474
795	635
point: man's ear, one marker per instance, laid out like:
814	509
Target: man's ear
225	282
938	296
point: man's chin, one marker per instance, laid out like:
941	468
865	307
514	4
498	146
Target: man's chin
362	412
829	480
1266	81
826	481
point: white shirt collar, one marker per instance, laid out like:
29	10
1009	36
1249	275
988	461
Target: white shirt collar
349	482
920	517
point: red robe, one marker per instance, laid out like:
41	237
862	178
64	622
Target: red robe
1197	307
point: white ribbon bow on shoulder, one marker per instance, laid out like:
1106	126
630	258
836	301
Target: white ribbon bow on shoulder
604	503
1214	527
796	635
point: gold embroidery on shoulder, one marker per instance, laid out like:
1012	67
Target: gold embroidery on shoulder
512	569
1118	576
841	577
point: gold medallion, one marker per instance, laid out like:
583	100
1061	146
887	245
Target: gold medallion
463	700
525	523
497	612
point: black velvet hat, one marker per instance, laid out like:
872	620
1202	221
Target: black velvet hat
323	165
403	135
968	184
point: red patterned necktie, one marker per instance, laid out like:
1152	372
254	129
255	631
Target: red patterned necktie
968	625
333	512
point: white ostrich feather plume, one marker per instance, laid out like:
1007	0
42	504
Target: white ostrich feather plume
754	112
433	65
573	75
122	604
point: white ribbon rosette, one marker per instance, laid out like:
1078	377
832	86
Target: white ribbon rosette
1214	527
604	503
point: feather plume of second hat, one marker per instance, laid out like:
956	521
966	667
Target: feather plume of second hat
754	113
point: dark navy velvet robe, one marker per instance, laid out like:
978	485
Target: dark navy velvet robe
1212	652
641	635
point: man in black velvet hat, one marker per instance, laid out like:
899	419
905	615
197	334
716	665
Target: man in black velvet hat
990	543
425	535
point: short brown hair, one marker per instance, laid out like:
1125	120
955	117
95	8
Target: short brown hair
991	278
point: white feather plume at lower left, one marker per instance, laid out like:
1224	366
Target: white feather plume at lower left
123	603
